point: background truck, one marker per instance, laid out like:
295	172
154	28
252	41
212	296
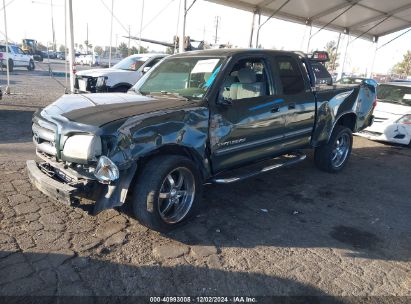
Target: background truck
29	46
216	116
16	58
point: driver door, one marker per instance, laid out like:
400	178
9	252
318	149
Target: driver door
250	125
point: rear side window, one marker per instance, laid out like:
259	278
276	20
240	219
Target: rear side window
290	75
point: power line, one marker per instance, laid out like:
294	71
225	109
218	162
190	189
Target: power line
158	14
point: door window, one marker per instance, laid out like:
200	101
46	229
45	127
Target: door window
153	62
247	79
290	75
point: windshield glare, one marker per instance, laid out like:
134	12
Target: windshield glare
130	63
189	77
395	94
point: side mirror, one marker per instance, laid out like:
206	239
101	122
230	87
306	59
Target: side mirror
146	69
224	101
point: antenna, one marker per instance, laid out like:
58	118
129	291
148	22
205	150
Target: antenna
217	22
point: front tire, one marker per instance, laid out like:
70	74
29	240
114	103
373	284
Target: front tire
31	66
11	65
167	192
333	156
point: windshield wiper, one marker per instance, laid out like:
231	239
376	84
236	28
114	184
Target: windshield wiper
166	93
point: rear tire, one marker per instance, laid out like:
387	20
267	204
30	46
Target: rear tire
333	156
167	192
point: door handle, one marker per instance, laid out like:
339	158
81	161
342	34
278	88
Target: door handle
275	109
291	106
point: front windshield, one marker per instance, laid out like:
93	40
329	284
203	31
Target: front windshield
395	94
130	63
189	77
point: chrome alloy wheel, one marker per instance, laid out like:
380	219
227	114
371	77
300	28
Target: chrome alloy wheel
176	195
340	150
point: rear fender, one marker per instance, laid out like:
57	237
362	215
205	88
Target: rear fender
351	108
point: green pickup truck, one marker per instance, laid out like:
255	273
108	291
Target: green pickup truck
215	116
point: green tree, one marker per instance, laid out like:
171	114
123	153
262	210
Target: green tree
41	46
133	50
331	48
123	49
403	67
99	50
170	50
143	50
62	48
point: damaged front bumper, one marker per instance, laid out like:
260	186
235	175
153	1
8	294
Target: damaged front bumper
50	186
48	180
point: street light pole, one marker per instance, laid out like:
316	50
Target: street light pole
7	48
111	32
71	50
141	27
52	26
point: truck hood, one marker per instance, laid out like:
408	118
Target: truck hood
104	72
100	109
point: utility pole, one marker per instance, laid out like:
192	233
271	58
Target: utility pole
129	50
52	26
111	33
87	39
217	21
65	45
183	13
71	50
7	48
250	43
141	27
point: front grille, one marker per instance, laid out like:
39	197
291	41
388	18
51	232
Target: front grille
44	137
91	83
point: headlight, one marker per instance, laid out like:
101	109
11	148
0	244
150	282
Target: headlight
405	120
84	147
101	81
106	171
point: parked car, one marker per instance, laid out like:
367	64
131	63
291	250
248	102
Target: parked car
351	80
16	58
392	122
215	116
61	55
87	59
120	78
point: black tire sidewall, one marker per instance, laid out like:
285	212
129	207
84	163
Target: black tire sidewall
11	65
147	187
323	154
31	66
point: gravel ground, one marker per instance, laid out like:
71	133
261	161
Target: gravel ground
296	231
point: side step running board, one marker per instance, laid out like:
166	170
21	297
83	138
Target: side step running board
256	169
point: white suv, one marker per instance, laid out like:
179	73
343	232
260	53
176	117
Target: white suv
119	78
16	58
